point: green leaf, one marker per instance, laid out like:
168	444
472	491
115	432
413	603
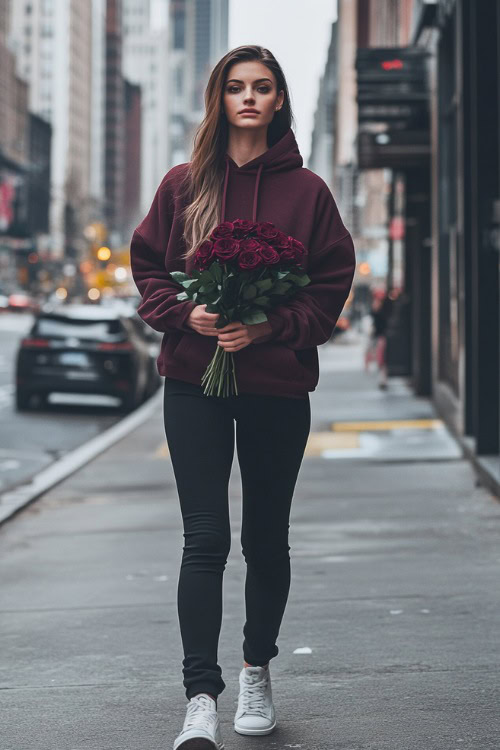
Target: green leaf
208	288
282	274
301	280
259	316
191	284
249	292
182	296
264	301
264	284
179	276
252	318
206	277
281	287
216	271
213	297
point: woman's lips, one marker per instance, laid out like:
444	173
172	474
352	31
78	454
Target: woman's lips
253	114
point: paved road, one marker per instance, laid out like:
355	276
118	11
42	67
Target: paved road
31	441
390	639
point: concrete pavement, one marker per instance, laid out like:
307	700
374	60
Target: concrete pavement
390	639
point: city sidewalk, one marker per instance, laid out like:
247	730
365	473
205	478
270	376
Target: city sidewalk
390	639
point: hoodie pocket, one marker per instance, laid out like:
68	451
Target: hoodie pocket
193	350
181	348
271	362
176	346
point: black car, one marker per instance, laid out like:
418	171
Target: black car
87	349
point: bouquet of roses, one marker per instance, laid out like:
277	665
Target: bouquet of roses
242	270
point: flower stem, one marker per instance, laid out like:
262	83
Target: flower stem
219	378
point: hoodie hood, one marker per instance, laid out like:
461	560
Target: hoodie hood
282	156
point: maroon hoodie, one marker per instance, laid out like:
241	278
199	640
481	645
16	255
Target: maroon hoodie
272	187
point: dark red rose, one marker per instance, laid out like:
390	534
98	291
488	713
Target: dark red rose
251	243
222	230
226	249
204	255
280	242
242	227
249	259
287	256
266	230
294	252
299	248
268	254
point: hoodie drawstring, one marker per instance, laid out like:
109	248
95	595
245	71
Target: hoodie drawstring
257	179
223	209
255	193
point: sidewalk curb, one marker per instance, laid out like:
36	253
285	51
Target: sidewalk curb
17	498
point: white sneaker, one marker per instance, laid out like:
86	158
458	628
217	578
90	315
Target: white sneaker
255	713
201	730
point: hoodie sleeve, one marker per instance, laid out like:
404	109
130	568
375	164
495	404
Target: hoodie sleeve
159	308
309	317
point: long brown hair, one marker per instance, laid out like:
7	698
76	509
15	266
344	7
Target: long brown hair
205	175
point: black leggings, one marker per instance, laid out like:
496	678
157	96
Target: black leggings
271	435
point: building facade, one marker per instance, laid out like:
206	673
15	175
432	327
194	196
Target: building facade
25	143
114	139
427	92
52	42
146	63
198	38
464	39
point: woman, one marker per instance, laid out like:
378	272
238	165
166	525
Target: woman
377	342
244	165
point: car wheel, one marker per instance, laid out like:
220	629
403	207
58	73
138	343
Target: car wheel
152	387
129	402
23	400
42	400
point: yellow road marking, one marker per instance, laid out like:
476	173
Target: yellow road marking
322	441
388	424
316	444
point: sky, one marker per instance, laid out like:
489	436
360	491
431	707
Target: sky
297	32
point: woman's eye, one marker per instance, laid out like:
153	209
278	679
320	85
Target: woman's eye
235	89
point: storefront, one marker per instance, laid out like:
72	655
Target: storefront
394	133
466	226
430	113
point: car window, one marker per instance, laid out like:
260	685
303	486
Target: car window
95	330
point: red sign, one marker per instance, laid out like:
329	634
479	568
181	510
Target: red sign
392	64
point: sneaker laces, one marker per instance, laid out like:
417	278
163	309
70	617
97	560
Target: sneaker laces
200	714
253	695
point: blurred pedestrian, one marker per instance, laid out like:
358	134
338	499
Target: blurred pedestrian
377	340
245	165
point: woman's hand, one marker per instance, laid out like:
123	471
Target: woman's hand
203	322
237	335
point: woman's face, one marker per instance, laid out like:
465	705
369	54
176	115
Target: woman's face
251	84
